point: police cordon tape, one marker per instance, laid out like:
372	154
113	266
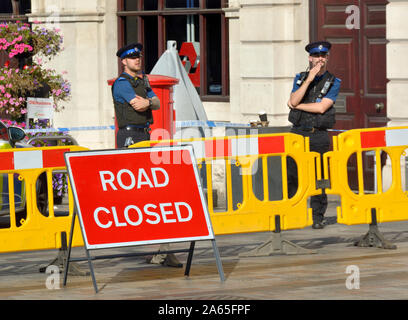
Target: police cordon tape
70	129
179	124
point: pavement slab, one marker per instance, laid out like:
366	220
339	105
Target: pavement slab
382	273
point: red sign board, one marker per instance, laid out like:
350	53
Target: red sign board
138	196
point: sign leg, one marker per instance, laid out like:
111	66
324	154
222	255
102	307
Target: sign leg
189	259
71	235
92	270
218	261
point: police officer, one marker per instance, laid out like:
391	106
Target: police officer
312	112
133	98
134	101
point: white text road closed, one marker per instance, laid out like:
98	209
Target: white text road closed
152	214
126	179
123	198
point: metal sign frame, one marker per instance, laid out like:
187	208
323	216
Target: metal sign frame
88	247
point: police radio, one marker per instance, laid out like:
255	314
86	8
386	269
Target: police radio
326	86
303	76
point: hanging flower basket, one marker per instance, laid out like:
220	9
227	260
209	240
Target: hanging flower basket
21	42
20	39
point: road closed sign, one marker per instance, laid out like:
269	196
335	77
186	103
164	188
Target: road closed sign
127	197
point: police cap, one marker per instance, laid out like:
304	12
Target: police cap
318	47
129	51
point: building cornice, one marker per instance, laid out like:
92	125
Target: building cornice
64	17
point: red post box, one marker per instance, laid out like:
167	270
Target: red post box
163	126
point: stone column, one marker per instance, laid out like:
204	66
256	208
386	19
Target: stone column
265	54
397	73
397	70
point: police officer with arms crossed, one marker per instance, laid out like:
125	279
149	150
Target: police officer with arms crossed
133	98
312	112
134	101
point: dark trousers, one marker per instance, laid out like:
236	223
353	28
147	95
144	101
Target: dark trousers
135	135
319	142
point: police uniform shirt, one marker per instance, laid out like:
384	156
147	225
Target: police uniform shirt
124	92
331	94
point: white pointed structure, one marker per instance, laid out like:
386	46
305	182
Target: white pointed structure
187	102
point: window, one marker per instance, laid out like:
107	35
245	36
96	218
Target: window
5	7
15	7
200	22
25	6
182	4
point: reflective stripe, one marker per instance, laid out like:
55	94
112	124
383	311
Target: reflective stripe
235	147
372	139
6	161
244	146
384	138
28	160
32	159
396	137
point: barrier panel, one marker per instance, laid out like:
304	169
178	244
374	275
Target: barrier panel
356	207
33	222
387	203
244	159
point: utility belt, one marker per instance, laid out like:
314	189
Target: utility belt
137	127
308	129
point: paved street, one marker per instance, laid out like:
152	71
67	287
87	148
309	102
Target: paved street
383	274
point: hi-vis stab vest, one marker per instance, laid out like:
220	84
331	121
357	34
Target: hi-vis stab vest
316	90
125	114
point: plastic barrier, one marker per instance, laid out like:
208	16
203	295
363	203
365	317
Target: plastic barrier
361	207
244	158
37	226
